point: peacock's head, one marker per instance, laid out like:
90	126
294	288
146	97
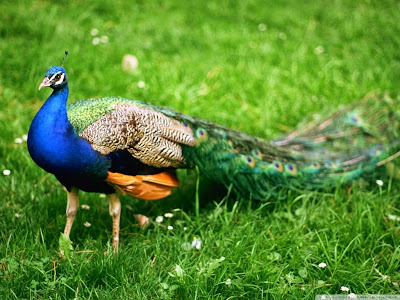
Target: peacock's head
55	77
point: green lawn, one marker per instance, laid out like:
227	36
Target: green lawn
256	66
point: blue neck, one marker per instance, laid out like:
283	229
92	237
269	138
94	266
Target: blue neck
55	146
52	117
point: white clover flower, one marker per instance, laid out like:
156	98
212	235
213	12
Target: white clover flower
228	281
141	84
322	265
87	224
25	137
186	246
168	215
379	182
129	63
262	27
104	39
319	50
170	227
352	296
282	35
84	206
393	218
18	141
17	215
102	195
6	172
159	219
196	243
252	44
344	289
184	228
96	41
94	31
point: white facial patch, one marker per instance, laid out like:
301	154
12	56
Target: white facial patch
59	81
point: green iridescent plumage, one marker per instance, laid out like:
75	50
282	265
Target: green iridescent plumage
320	154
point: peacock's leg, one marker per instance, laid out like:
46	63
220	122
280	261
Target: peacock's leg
115	212
72	208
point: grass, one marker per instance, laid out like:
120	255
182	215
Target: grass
264	67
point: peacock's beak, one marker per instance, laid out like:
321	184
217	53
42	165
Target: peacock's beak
46	82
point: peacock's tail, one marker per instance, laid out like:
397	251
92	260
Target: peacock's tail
350	143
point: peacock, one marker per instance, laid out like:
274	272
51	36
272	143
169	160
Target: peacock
118	146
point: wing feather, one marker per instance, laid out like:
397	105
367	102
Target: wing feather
149	135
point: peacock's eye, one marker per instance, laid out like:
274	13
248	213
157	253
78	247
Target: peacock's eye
58	76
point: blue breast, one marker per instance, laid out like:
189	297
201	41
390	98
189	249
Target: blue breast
55	146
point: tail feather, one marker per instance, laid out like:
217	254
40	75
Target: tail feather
322	153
